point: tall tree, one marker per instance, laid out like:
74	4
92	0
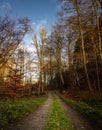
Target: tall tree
96	5
82	42
77	9
40	47
57	41
12	33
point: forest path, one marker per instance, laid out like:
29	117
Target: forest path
77	120
35	120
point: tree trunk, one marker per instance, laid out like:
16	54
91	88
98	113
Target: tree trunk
82	44
96	9
96	62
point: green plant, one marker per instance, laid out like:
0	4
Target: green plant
89	111
13	109
57	119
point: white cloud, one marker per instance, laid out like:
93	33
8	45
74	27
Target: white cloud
41	23
27	44
36	25
6	6
33	23
28	40
28	47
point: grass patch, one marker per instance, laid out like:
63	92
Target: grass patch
57	119
13	109
93	113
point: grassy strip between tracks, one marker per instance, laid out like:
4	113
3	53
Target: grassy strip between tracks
57	120
14	109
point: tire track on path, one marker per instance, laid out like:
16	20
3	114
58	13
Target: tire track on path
78	121
35	120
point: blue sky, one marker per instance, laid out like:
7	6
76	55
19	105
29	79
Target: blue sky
39	11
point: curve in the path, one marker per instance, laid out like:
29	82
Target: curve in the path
35	120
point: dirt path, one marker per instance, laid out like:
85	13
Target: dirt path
78	122
37	119
33	121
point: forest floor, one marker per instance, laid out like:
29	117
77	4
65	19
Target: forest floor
36	120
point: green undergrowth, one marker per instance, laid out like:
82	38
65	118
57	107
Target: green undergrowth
90	111
57	120
92	99
95	103
11	110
